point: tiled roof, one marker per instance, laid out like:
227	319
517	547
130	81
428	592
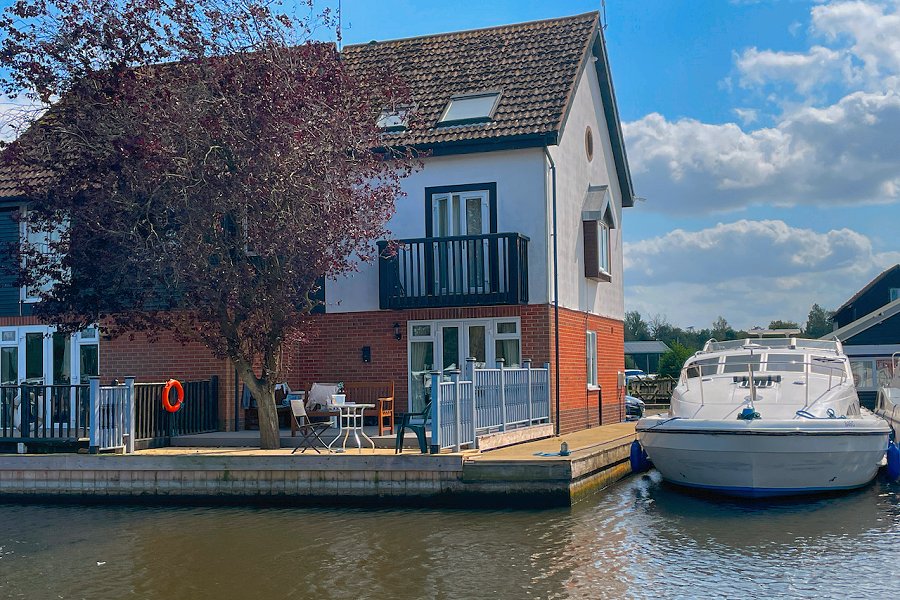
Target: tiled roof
11	180
533	65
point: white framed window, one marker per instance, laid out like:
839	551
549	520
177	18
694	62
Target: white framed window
394	119
591	358
603	246
41	240
507	342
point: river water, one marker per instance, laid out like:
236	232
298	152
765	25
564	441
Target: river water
638	539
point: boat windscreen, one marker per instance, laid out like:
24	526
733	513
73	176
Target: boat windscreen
737	363
784	362
706	366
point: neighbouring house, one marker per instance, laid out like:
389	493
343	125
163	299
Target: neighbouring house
516	215
868	325
645	354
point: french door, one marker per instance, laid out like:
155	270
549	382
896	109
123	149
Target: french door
463	265
445	346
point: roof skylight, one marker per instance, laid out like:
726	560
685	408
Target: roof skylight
394	119
470	108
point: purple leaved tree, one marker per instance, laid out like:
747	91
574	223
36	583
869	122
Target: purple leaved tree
199	167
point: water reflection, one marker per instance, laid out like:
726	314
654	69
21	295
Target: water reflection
640	539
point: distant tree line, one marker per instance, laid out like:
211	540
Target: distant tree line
683	343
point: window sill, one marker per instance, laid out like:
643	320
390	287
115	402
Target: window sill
593	388
601	276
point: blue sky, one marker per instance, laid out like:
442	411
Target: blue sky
764	135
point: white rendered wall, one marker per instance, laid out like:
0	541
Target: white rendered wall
574	175
521	208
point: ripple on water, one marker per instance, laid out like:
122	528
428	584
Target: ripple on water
639	539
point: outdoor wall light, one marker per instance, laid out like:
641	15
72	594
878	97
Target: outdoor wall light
397	334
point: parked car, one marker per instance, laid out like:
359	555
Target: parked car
631	374
634	408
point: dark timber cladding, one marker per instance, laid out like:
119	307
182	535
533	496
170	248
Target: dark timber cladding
9	234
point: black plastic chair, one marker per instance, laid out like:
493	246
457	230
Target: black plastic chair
418	422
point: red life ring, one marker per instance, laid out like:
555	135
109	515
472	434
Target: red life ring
172	383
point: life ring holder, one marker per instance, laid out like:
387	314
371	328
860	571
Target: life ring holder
172	408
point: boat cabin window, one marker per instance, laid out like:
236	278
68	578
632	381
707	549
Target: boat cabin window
785	362
737	363
706	366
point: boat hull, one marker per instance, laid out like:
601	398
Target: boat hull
757	459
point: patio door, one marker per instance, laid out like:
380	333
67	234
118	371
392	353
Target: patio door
463	265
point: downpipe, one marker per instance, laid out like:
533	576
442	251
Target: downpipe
555	284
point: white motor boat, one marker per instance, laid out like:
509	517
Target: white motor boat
888	403
766	417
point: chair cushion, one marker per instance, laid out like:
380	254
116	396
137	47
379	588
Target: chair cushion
320	395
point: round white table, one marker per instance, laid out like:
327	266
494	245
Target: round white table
351	419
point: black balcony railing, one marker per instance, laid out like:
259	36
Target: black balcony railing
469	270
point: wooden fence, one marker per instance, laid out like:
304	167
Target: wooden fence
104	417
199	413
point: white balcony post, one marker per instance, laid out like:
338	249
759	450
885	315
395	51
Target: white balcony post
547	396
500	363
454	377
129	414
527	364
435	412
94	402
470	371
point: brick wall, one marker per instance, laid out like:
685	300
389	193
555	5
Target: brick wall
167	358
580	407
333	352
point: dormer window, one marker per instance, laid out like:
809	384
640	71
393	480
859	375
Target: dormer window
394	119
470	108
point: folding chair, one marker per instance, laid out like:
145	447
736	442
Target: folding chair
309	430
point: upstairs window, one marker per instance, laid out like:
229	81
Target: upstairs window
597	250
895	293
470	108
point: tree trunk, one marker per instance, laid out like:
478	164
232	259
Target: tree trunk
269	437
264	393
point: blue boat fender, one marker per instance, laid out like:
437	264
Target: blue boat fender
893	461
640	462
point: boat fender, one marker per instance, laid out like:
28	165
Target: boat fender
748	414
640	462
893	461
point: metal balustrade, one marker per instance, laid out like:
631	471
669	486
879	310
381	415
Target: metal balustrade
469	270
488	400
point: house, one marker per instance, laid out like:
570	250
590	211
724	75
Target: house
645	354
868	325
507	246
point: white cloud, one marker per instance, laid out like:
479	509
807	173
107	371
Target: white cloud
752	272
840	154
805	71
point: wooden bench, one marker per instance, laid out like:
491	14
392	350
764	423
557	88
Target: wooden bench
379	393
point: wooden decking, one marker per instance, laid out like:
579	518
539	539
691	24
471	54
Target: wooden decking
517	475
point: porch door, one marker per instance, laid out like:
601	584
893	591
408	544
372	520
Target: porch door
461	266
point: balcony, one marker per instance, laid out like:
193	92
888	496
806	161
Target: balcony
469	270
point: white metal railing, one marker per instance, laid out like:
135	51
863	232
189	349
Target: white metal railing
112	416
487	400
